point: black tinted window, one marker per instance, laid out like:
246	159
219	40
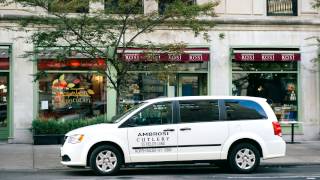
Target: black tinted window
163	5
244	109
199	111
123	7
155	114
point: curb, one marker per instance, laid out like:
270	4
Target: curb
289	164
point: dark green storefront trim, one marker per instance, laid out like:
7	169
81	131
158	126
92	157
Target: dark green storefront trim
7	132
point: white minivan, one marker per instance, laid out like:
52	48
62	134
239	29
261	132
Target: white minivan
231	131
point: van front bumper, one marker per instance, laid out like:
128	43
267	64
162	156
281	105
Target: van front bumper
71	155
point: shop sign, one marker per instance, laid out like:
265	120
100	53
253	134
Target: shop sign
71	64
267	57
142	55
67	93
166	57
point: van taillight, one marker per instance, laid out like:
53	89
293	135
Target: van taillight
277	128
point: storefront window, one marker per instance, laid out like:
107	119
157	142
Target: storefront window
145	85
263	66
279	88
3	99
203	66
71	95
142	86
164	74
5	118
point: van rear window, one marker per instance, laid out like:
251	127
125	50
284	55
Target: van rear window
243	110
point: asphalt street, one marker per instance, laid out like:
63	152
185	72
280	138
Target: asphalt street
308	172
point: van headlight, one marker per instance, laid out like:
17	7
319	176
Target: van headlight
76	138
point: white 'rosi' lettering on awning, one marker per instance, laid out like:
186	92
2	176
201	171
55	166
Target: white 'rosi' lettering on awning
247	57
287	57
267	57
132	57
195	57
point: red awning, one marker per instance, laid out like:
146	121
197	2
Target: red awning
72	64
78	62
266	56
4	64
143	55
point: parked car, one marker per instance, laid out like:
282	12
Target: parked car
233	132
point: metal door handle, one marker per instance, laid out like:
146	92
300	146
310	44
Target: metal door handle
185	129
168	130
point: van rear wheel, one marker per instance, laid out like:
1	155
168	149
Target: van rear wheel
244	158
105	160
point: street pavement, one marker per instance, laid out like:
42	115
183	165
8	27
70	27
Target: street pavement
303	172
47	157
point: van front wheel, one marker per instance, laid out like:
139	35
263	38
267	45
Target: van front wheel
244	158
105	160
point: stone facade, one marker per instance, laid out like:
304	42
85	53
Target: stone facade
240	23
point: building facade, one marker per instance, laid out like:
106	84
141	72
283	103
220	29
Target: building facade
258	48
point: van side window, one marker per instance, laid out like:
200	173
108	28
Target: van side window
199	111
155	114
243	110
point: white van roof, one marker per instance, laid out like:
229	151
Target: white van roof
160	99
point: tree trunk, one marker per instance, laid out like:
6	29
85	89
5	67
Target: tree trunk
118	94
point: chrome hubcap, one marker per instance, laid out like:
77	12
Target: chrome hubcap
106	161
245	158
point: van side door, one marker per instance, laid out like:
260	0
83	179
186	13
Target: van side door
201	134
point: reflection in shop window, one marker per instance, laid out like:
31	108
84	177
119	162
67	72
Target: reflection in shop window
71	96
142	86
194	67
280	89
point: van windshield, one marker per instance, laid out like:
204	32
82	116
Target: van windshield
119	117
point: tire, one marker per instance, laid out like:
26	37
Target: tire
105	160
244	158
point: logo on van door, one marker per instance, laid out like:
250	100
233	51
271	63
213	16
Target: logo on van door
152	142
147	139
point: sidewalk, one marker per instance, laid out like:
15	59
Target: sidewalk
27	156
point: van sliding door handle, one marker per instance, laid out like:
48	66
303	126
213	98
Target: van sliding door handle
168	130
185	129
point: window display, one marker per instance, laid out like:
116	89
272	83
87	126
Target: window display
280	89
5	118
71	96
3	99
271	73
